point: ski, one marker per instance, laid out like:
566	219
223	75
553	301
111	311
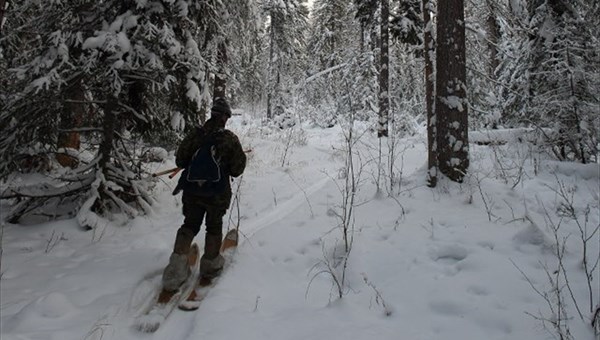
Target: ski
164	302
203	285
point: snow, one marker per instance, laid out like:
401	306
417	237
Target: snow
95	42
500	136
454	262
123	42
177	121
193	92
453	102
46	81
191	47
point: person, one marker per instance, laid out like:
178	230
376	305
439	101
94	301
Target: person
211	209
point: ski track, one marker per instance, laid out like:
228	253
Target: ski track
120	316
181	325
186	322
284	209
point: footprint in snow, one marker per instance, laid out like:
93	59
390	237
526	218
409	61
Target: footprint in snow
450	254
449	308
478	291
44	312
300	224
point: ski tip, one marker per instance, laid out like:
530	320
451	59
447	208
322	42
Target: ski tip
148	323
189	306
230	240
232	235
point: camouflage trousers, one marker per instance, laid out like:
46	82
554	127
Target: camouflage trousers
195	212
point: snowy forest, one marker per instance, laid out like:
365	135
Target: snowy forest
479	98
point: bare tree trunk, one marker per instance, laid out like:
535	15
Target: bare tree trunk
451	100
493	31
204	107
220	76
71	118
109	125
269	113
429	50
270	71
3	6
384	78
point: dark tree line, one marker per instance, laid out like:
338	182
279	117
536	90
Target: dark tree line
90	84
87	87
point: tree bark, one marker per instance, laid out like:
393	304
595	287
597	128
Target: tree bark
429	50
108	132
493	31
384	77
71	118
270	69
451	101
220	76
2	10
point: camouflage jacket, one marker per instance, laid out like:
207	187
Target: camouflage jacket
229	149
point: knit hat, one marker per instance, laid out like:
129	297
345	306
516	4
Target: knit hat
220	107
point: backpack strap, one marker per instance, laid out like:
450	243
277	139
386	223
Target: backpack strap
210	137
200	131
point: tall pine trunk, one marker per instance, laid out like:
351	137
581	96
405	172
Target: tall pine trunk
109	124
270	71
451	99
71	118
3	6
384	77
493	31
220	76
429	50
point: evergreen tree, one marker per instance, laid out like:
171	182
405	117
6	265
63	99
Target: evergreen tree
482	44
407	22
286	42
123	65
333	42
244	34
512	89
564	77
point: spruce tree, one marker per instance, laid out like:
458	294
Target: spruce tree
126	67
285	44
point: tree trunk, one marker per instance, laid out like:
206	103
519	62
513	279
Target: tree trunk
451	100
204	108
270	71
220	76
384	78
72	115
493	31
429	50
2	10
109	124
269	113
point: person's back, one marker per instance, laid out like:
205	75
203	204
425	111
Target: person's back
231	157
197	208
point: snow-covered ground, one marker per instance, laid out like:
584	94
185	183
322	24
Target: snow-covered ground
461	261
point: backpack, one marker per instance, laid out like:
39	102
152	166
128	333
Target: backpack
204	176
